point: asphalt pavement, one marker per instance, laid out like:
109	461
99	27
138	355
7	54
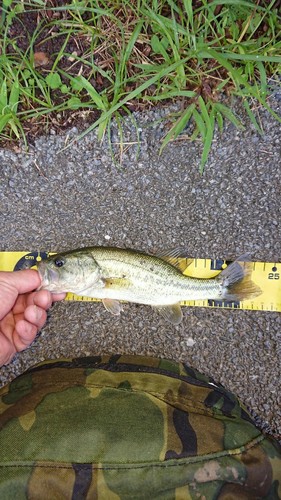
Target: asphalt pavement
59	200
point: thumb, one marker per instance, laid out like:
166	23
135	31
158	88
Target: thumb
14	283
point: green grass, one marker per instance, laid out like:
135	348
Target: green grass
133	55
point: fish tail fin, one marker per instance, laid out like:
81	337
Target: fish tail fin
236	281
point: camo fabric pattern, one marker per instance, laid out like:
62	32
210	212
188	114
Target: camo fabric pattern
130	427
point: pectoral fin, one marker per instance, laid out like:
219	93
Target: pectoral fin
112	306
171	313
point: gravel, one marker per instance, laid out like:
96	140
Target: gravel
58	200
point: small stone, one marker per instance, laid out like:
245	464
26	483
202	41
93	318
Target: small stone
190	342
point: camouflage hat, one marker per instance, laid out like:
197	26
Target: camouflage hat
130	427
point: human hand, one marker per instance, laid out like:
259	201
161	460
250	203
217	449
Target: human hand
22	311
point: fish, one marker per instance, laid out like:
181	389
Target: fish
116	274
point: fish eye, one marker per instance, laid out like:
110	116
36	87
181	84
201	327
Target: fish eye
59	262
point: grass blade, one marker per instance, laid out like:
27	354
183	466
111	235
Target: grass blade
171	94
199	123
3	96
97	99
219	120
250	57
252	116
14	96
178	127
4	120
208	139
224	110
130	96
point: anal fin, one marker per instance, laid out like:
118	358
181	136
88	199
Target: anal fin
171	313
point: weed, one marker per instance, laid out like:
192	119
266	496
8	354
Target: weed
114	57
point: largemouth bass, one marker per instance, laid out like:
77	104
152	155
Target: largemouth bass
115	274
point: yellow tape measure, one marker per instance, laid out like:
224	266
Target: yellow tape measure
267	275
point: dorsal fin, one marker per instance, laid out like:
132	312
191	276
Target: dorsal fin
176	257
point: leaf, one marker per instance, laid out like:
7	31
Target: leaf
64	89
219	120
74	103
40	3
14	128
183	121
189	11
158	48
263	78
156	44
235	75
102	128
5	7
200	123
135	93
4	120
178	127
7	4
250	57
82	83
76	83
204	110
150	68
170	94
14	96
208	139
238	3
132	41
209	119
252	116
53	80
249	70
3	95
224	110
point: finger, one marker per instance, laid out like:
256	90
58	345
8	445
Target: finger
24	334
43	298
35	315
13	283
23	281
7	325
7	350
58	296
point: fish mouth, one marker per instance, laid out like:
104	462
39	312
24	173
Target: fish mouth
49	278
